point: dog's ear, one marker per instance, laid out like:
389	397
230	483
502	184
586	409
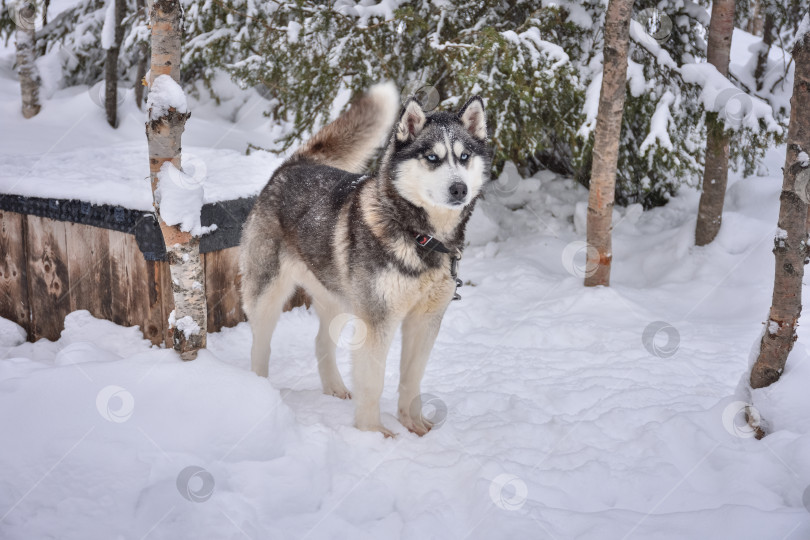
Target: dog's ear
473	117
411	121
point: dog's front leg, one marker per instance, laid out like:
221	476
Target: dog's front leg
368	373
419	332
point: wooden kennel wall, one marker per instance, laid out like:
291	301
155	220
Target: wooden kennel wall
57	256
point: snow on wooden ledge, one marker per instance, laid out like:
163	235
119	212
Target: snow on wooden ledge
119	174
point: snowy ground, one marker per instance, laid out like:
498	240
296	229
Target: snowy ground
565	414
559	423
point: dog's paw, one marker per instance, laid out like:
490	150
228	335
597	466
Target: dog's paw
387	433
341	392
419	425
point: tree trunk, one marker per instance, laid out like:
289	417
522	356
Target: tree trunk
606	142
715	173
25	38
163	134
790	246
755	22
142	63
765	48
111	66
45	6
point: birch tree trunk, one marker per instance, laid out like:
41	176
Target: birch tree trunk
755	22
715	173
163	134
111	66
25	37
606	142
790	245
142	62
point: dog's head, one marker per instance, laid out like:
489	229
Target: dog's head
441	159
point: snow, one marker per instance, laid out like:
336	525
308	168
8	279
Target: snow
803	29
165	94
591	105
566	412
180	198
71	157
635	78
583	413
737	108
184	324
382	10
783	411
659	123
777	79
125	181
293	31
640	36
11	334
538	47
108	28
697	12
577	14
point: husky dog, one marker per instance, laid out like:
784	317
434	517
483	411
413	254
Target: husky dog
379	247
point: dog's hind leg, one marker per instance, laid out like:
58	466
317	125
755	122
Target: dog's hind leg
419	331
332	319
263	314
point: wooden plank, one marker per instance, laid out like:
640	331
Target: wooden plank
48	282
134	283
88	251
124	274
222	281
13	272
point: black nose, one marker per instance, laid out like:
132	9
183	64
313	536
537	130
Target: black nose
458	191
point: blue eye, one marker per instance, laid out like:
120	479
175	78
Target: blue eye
432	157
464	157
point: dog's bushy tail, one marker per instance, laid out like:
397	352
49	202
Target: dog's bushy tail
349	142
